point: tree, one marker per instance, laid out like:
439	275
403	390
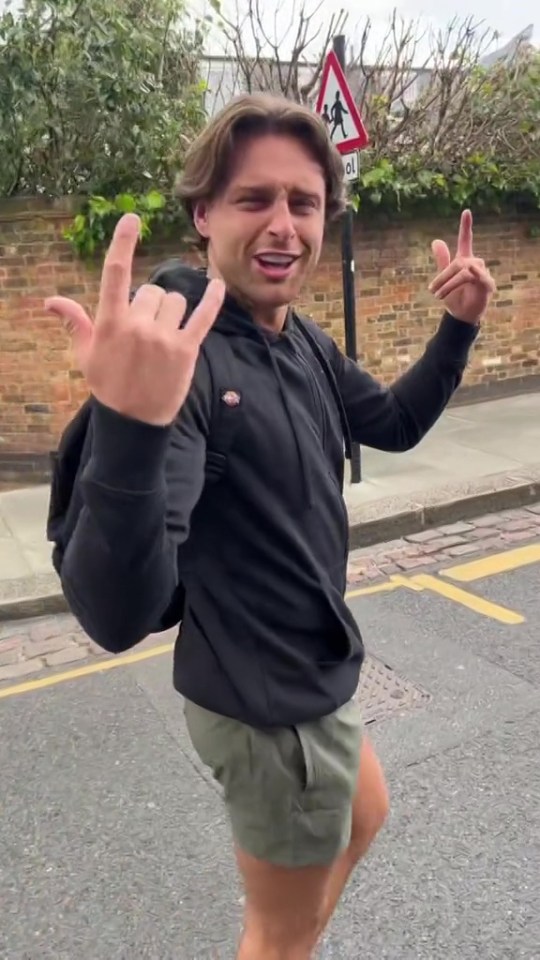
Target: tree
287	60
96	97
449	131
444	104
447	125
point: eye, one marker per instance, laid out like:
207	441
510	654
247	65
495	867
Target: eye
252	203
303	203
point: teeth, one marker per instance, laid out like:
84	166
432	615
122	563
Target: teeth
276	260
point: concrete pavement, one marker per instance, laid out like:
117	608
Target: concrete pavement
480	457
33	649
114	843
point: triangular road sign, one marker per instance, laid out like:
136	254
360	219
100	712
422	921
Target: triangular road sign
338	109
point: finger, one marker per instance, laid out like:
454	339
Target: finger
76	321
445	275
205	314
484	277
465	236
171	311
146	303
455	266
115	284
464	276
441	254
74	317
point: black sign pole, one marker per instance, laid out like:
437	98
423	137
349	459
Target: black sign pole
347	272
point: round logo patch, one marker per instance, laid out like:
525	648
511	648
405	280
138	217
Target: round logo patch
231	398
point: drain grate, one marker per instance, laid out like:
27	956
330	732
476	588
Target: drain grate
381	691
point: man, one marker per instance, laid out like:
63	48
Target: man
269	656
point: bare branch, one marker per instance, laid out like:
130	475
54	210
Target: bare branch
423	94
289	60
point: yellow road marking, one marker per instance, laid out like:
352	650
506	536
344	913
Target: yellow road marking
393	583
385	587
28	686
388	585
485	607
422	581
497	563
121	661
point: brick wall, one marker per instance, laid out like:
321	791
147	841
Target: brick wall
395	315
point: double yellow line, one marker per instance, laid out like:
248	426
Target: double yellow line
464	573
425	581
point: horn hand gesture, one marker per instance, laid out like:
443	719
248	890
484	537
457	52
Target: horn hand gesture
464	283
134	356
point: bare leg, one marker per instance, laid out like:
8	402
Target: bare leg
287	910
284	909
370	810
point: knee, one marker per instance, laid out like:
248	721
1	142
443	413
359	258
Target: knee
381	809
297	936
294	939
368	826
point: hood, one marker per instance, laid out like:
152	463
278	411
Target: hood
191	282
235	320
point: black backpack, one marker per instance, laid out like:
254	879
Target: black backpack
69	460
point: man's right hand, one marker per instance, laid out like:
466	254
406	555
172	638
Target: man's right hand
135	359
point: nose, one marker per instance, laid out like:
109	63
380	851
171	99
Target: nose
281	225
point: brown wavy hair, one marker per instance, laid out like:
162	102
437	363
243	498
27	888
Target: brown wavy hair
209	161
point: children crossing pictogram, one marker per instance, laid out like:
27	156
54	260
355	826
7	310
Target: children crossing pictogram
337	108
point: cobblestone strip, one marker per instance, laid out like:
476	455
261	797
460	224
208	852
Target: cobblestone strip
29	647
489	534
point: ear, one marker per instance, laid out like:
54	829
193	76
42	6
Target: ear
200	219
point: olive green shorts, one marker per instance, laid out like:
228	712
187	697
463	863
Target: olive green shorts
288	790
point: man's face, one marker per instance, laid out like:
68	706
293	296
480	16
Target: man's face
265	230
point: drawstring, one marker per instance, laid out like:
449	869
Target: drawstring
304	466
332	382
331	377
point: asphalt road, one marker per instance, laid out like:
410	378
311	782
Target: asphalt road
114	845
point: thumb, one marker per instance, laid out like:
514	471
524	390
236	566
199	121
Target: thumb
75	319
441	254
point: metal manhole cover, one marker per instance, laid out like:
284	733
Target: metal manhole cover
381	691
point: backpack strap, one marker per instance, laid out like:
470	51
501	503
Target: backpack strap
226	403
224	420
224	376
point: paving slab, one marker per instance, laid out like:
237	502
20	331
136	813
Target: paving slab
478	458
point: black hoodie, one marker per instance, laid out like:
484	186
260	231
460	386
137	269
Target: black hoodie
267	637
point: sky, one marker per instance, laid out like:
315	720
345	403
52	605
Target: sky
497	15
507	17
502	15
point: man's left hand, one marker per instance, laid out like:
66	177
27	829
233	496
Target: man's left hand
464	284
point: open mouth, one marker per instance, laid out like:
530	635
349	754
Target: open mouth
276	265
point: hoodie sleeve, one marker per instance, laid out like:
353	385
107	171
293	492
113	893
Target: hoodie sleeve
397	417
139	489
